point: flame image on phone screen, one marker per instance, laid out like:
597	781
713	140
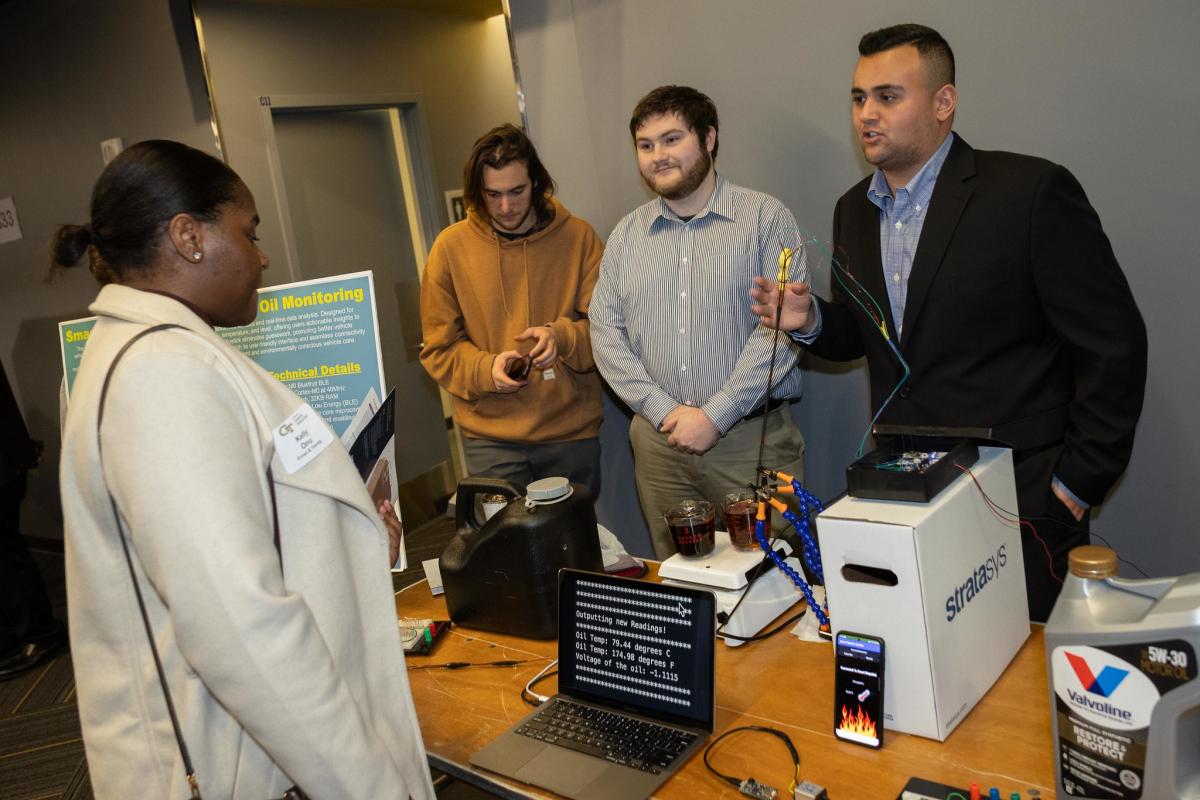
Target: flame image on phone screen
858	689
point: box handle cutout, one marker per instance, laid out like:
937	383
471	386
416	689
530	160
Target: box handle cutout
860	573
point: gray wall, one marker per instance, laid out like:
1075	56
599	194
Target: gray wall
459	65
76	72
1102	86
1099	85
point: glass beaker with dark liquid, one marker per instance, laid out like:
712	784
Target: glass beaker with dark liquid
740	510
693	527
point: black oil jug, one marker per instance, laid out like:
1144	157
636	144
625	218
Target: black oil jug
503	576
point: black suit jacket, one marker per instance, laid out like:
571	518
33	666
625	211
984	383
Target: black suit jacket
18	453
1018	317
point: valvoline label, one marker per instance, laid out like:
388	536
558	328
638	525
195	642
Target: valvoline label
1104	698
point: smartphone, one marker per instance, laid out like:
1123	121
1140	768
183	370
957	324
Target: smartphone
858	689
518	368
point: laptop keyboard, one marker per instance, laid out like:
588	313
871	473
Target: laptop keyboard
618	738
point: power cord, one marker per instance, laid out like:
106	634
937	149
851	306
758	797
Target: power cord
749	786
756	637
529	695
510	662
758	572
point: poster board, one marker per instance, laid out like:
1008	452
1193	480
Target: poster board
320	337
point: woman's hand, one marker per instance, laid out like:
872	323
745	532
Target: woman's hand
395	530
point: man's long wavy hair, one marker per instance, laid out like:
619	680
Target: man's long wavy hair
498	148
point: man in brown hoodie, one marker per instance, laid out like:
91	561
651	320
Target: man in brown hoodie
504	313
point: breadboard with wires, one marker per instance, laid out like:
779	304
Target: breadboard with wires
909	467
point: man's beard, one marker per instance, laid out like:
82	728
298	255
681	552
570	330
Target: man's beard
689	182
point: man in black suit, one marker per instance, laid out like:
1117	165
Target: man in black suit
993	276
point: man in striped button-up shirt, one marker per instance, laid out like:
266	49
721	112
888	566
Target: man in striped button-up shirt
671	330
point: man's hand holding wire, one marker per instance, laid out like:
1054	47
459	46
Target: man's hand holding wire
797	305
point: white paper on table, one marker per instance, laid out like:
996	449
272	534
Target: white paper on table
433	574
806	629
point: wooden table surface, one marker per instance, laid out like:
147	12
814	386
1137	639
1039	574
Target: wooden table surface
780	682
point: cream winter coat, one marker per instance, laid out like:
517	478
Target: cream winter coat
279	677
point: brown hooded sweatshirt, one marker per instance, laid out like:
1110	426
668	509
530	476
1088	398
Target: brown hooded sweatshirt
480	291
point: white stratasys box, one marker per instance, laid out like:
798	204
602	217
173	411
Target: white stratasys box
942	583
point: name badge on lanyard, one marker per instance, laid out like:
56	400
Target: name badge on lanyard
300	438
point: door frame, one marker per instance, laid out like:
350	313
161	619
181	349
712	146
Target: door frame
410	136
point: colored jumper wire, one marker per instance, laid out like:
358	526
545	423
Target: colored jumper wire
878	320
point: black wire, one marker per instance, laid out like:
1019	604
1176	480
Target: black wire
1110	547
1072	528
525	690
762	729
1087	531
759	571
762	439
766	635
511	662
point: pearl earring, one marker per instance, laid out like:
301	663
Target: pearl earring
196	255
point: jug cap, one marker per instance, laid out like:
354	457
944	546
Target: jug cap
548	490
1093	561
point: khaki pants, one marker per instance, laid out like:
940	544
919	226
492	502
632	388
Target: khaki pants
665	475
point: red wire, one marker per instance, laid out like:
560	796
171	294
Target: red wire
836	263
995	509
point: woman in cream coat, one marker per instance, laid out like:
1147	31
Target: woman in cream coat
285	666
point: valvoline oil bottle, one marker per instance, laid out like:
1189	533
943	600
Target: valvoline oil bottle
1124	699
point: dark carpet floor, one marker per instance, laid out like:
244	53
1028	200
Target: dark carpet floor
41	751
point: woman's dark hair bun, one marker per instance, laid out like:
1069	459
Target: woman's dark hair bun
134	199
69	245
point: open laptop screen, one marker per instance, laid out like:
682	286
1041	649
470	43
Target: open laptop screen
637	646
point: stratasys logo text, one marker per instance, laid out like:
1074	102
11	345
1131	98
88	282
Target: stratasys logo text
965	592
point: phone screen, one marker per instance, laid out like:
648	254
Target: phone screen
858	689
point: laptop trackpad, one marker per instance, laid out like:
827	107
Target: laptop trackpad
563	771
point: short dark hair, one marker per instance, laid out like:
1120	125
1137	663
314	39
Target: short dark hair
498	148
693	107
934	50
135	198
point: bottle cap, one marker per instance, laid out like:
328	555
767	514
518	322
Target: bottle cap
1093	561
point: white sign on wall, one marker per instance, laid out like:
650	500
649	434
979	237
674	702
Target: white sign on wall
10	228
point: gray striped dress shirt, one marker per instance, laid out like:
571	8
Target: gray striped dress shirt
670	316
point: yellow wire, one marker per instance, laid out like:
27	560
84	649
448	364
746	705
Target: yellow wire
785	263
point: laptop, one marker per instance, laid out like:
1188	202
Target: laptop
636	697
